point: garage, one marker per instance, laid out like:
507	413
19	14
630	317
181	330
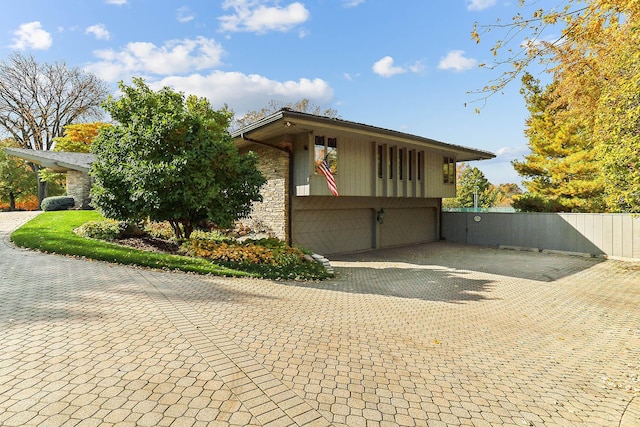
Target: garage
408	225
333	231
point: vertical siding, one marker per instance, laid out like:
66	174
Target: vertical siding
357	173
615	235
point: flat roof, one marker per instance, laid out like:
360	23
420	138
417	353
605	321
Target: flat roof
269	127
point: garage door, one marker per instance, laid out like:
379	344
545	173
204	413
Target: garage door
333	231
408	225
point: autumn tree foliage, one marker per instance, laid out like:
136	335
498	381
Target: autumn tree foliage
594	96
562	170
17	181
38	99
171	158
78	137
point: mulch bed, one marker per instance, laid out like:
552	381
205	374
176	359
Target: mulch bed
147	243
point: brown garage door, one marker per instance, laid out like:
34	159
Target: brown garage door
408	225
333	231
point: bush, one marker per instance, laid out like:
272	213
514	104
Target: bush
108	229
159	230
271	258
57	203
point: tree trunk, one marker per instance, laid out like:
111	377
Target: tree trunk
42	188
12	202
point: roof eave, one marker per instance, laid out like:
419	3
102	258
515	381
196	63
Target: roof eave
472	153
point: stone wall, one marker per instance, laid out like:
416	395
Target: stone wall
79	187
271	215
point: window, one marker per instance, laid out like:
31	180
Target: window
411	153
449	170
401	163
380	164
420	164
391	161
327	149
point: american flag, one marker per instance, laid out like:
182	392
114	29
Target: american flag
323	167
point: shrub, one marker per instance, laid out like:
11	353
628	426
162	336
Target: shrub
57	203
271	258
108	229
159	230
215	236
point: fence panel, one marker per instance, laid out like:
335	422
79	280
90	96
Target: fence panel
613	235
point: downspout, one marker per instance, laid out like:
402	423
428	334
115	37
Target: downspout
290	187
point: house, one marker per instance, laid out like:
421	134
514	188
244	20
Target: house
75	165
390	184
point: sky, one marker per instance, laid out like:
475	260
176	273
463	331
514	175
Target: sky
405	65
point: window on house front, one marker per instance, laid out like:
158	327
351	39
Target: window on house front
420	164
391	161
327	149
449	170
411	153
379	160
401	163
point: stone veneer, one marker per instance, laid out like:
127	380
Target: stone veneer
271	215
79	187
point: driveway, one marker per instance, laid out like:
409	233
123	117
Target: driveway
428	335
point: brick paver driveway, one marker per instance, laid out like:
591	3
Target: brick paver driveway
435	334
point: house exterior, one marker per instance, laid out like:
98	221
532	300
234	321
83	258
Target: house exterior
75	165
390	184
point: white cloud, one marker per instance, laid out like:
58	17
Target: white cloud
99	31
143	58
385	67
257	16
244	92
31	36
455	60
351	3
116	2
184	14
480	4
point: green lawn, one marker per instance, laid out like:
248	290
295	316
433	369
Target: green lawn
53	232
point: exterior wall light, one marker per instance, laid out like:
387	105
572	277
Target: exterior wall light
380	216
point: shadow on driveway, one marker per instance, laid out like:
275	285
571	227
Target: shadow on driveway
517	264
443	271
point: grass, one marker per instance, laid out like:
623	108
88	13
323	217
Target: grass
53	232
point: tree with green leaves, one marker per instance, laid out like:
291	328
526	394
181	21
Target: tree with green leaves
473	186
562	169
16	179
171	158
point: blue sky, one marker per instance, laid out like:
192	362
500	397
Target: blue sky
406	65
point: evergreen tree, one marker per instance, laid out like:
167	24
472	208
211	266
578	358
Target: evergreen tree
562	169
473	183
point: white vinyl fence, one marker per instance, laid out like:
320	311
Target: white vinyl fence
611	235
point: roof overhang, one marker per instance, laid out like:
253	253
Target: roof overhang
56	161
289	122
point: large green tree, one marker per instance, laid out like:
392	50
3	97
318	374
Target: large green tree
16	179
562	169
170	157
